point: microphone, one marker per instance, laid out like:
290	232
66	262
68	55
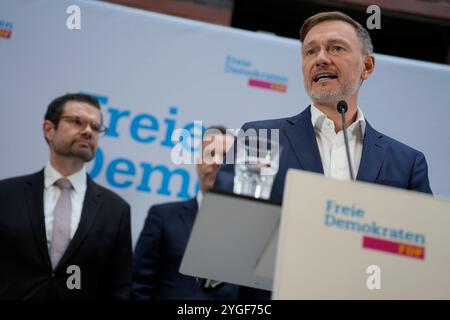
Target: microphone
342	109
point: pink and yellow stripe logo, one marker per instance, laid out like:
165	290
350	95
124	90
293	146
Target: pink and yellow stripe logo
399	248
4	33
267	85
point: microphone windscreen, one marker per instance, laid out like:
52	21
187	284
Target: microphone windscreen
342	106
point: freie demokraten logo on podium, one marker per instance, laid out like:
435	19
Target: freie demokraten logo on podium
375	237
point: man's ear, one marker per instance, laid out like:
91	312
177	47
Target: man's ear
368	66
49	130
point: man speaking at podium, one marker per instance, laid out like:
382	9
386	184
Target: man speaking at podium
336	59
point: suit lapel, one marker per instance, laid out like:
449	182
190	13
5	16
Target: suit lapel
34	195
188	215
302	139
91	206
374	151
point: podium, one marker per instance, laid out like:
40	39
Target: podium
331	240
355	240
234	239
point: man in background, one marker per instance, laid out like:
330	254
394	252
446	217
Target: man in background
62	236
163	240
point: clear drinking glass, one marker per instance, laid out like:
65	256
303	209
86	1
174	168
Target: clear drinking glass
257	162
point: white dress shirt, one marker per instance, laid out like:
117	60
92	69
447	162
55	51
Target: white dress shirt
332	145
51	195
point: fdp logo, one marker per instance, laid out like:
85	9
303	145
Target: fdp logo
5	29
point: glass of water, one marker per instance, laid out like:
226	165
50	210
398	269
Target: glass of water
257	162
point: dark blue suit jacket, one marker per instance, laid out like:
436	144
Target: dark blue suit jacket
384	161
159	252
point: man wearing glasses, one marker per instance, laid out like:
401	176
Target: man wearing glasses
62	236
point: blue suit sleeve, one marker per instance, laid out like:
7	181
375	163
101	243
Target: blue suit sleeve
419	176
147	258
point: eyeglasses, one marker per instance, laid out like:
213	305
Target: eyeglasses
81	124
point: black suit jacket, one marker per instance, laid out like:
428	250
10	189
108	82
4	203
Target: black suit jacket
159	252
101	246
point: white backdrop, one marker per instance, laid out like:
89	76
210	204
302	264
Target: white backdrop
155	73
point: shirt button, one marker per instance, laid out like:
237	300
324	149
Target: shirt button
53	275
